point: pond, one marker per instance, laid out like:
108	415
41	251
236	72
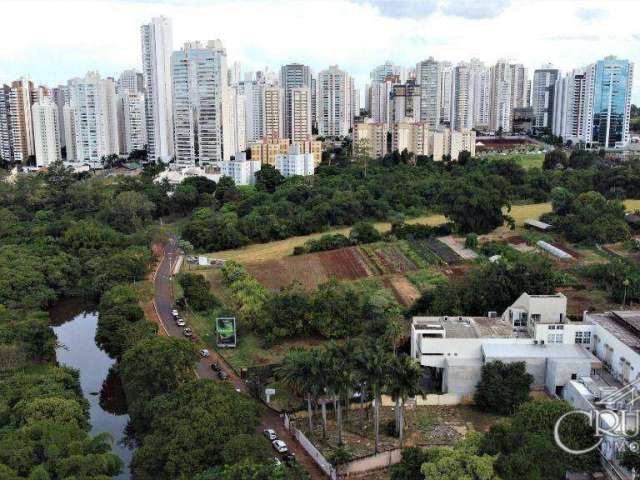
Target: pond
75	324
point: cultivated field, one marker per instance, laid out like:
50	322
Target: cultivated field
282	248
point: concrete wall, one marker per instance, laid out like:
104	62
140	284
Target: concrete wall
461	379
459	348
431	400
368	464
559	371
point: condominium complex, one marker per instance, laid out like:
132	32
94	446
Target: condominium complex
199	75
294	162
405	102
132	130
372	136
234	138
46	134
273	112
157	45
420	139
299	113
429	77
131	81
335	116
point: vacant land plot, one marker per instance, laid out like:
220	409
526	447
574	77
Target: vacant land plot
404	291
525	160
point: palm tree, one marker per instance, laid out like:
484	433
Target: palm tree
394	333
374	364
320	378
402	382
296	372
338	365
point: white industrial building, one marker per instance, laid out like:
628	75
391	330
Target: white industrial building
295	163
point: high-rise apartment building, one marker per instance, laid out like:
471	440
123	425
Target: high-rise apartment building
60	96
92	108
613	82
293	75
300	114
405	102
199	74
234	137
131	121
542	99
335	104
273	112
380	107
130	81
481	84
573	105
157	45
46	136
429	77
447	85
501	96
463	98
382	72
372	135
20	99
6	140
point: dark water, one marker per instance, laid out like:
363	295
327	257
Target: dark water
75	323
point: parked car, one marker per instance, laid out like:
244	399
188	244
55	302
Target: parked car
204	353
175	313
289	458
187	332
280	446
270	434
222	375
180	322
215	367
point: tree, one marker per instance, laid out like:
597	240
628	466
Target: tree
410	466
403	377
296	372
336	310
554	158
526	447
475	203
373	363
464	157
196	427
503	387
197	292
363	232
561	199
268	178
464	461
154	367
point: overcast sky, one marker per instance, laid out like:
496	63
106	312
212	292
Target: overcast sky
55	40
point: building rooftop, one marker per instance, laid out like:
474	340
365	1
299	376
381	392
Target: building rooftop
622	324
468	327
510	351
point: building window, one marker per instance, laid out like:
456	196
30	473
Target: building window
535	317
554	338
583	338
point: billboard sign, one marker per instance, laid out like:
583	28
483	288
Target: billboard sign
226	332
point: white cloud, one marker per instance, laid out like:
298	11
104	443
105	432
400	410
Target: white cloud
68	37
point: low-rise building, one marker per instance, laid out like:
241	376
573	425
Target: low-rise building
418	138
295	163
266	150
241	170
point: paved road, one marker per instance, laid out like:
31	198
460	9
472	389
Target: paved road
164	304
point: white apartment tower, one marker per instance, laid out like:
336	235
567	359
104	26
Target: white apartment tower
157	45
463	99
130	81
234	137
21	122
46	133
199	88
481	84
92	106
429	77
501	97
447	89
334	102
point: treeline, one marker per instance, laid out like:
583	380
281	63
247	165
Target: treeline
471	194
333	310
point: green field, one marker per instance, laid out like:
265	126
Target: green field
525	160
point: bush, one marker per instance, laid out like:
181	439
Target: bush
503	387
471	241
197	293
363	232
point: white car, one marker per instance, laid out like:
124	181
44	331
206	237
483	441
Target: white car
270	434
280	446
175	313
204	353
180	322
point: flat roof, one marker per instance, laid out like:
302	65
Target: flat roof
469	327
622	324
566	352
537	223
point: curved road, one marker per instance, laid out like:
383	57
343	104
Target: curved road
163	302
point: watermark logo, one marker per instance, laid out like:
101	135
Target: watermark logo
614	417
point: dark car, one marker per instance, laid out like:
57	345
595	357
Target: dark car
289	458
222	375
215	367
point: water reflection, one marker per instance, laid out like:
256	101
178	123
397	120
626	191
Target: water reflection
75	326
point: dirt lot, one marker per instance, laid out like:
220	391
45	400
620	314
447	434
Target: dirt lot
404	291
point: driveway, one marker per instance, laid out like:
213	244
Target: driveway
163	302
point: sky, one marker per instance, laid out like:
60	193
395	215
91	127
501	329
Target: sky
55	40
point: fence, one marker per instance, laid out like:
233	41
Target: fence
317	456
371	463
429	399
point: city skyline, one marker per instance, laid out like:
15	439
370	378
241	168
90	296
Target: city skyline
404	32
